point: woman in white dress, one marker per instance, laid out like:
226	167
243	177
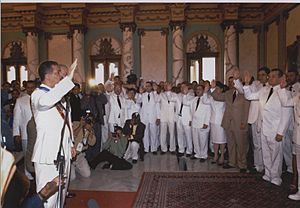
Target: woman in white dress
217	133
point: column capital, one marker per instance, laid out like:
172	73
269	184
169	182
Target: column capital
180	24
130	25
235	23
81	29
34	31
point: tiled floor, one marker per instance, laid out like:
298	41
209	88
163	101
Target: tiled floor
128	180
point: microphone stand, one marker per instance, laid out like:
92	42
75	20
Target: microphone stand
60	159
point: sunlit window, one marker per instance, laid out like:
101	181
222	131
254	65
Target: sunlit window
113	68
99	73
11	74
208	66
205	70
23	73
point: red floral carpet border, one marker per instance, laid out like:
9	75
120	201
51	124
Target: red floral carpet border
193	189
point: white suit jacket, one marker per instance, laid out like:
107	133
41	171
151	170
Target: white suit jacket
185	115
201	115
254	112
117	114
292	101
131	107
49	122
167	106
22	114
217	109
149	110
274	116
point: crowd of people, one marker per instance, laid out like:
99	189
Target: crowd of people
119	122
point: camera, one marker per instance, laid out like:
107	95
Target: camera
88	117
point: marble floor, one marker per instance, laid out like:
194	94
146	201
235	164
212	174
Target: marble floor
128	180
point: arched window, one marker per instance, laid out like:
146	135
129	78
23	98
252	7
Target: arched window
14	62
105	59
202	55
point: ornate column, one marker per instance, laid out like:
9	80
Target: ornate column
78	53
281	22
32	53
177	51
127	47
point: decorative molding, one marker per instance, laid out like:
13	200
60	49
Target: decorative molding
106	49
164	31
174	24
238	27
33	30
130	25
141	32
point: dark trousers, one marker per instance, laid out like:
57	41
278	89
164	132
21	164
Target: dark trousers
116	162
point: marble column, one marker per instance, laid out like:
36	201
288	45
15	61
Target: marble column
78	53
178	54
230	52
32	55
127	48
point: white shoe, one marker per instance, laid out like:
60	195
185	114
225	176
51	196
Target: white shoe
295	197
276	182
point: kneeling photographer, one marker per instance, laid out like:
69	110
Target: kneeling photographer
113	152
84	137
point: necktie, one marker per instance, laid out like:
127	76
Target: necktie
270	93
264	85
234	96
119	102
291	88
148	97
198	101
180	112
103	108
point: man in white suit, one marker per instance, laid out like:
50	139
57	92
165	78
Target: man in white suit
117	107
149	116
254	113
22	114
49	118
292	99
200	124
274	124
184	120
167	101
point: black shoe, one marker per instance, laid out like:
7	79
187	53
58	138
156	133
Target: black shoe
92	166
243	170
227	166
173	152
106	166
134	161
253	170
188	155
213	162
70	195
193	157
180	154
154	153
202	160
162	153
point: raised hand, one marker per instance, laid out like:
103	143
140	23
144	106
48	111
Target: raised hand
72	69
247	77
236	74
213	83
283	82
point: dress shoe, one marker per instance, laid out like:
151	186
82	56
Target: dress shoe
293	189
188	155
173	152
162	153
266	178
180	154
202	160
243	170
295	197
276	182
213	162
92	166
154	153
70	195
227	166
193	157
134	161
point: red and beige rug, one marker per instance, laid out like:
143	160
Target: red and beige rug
209	190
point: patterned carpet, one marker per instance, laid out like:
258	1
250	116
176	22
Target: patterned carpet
194	189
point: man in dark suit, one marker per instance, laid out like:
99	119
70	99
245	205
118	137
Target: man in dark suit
134	130
75	98
235	124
